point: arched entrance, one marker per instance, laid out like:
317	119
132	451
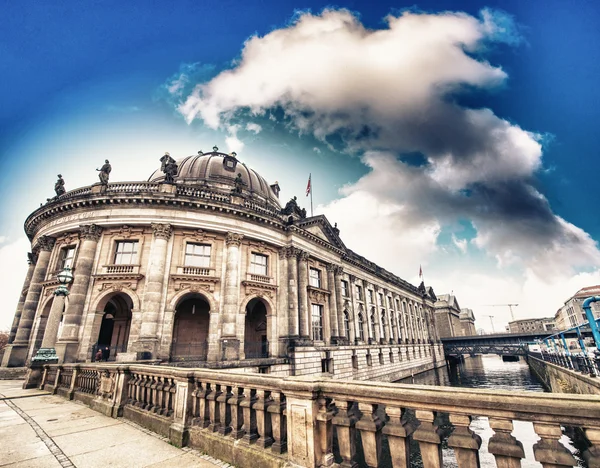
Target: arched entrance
114	329
190	330
255	330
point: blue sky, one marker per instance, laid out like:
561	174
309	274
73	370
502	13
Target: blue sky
85	81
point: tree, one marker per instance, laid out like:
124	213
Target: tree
3	339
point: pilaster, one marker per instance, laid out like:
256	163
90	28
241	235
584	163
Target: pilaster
303	293
229	342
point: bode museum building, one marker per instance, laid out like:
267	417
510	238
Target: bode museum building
202	265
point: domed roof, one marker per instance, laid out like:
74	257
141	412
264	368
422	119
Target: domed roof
219	171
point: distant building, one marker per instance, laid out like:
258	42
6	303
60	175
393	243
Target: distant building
572	314
532	325
467	322
447	316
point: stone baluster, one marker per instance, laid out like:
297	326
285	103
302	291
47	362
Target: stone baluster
292	263
549	451
231	293
370	426
249	427
427	435
68	342
195	401
464	441
153	292
16	354
325	428
398	432
203	419
278	422
344	423
303	294
224	410
592	454
213	410
334	326
154	400
263	420
170	398
507	450
237	416
22	297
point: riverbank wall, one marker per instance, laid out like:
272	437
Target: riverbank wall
560	380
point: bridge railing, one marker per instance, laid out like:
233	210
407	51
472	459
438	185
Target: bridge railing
313	421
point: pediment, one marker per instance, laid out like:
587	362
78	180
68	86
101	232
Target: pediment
320	227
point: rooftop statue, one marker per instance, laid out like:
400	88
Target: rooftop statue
292	207
104	172
169	167
59	186
239	184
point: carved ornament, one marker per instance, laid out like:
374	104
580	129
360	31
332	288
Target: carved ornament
162	231
195	287
318	295
69	238
288	251
259	292
117	286
90	232
31	258
303	256
233	238
45	243
254	285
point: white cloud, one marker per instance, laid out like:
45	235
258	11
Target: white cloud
461	244
232	141
253	127
317	150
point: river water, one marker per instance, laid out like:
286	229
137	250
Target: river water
490	372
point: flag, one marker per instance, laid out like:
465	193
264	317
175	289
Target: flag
308	188
420	272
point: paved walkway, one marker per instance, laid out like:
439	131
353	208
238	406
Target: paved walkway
46	431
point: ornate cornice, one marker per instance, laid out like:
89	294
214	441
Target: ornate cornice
90	232
162	231
233	238
46	243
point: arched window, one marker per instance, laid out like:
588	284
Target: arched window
361	327
346	325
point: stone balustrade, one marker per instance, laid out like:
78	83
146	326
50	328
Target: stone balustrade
260	420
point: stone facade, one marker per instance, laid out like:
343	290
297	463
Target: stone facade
533	325
211	269
447	316
571	314
467	322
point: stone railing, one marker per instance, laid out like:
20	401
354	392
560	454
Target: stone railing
258	278
120	269
133	187
194	271
258	420
586	363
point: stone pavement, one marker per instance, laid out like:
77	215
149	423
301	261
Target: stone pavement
42	430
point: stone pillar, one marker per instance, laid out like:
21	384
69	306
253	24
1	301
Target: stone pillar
333	303
68	342
293	311
337	290
230	344
283	312
351	291
464	441
427	434
549	451
398	431
53	323
153	291
21	303
303	294
405	331
15	355
507	450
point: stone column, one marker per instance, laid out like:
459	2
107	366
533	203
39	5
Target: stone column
16	354
333	303
351	291
283	321
405	330
21	303
68	342
292	302
337	273
53	323
153	291
303	294
230	344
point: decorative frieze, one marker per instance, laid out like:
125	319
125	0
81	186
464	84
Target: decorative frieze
90	231
195	287
162	231
68	238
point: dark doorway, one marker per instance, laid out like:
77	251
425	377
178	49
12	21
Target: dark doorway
190	330
114	329
255	332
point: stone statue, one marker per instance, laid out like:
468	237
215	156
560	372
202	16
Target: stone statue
239	184
292	207
104	172
59	186
169	167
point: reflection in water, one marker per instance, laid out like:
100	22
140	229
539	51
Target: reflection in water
489	372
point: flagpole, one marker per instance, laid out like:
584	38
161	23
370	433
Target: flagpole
311	191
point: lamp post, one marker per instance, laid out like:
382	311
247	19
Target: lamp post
47	352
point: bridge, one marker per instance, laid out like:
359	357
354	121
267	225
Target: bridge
505	344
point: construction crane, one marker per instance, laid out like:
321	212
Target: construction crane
492	322
510	306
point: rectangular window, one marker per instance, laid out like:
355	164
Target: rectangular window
315	277
381	303
197	255
390	303
371	296
359	295
258	264
317	322
344	288
126	253
65	260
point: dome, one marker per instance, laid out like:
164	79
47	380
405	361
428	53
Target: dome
219	171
